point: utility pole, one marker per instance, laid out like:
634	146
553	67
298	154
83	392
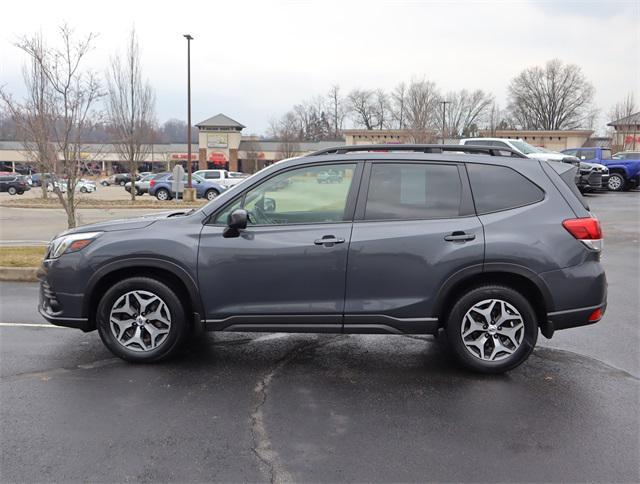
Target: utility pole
444	112
190	197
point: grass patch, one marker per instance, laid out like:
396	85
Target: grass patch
21	256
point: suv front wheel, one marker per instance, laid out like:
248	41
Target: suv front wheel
492	329
141	320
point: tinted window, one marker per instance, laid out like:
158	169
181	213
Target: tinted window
587	154
500	188
413	191
570	152
211	174
476	142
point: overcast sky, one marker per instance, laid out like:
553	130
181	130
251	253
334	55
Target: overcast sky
253	60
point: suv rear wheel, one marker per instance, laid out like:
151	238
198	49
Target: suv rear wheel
12	190
211	194
141	320
492	329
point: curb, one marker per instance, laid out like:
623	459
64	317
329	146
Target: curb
19	274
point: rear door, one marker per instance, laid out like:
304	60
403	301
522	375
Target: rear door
415	227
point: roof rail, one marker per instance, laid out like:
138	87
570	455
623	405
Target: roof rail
469	149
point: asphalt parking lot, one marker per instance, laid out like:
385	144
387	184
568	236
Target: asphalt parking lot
279	408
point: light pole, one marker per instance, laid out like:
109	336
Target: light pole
188	197
444	111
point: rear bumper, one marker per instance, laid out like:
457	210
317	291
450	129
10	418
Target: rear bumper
577	292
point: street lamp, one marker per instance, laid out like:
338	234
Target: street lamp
444	108
189	187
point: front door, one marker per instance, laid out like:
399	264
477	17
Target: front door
415	227
287	269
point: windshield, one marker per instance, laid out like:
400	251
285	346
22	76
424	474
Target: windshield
524	148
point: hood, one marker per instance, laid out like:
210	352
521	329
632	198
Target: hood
124	224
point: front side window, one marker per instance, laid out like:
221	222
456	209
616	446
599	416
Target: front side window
309	195
413	191
606	155
209	175
498	188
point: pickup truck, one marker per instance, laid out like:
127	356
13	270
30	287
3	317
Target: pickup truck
624	173
224	178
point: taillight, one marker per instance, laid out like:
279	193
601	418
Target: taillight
587	230
152	183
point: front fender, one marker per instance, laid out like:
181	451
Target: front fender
142	262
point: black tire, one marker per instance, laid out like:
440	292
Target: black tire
138	193
12	190
211	194
83	190
104	183
178	332
456	320
122	183
163	194
616	182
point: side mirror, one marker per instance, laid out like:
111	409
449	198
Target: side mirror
236	222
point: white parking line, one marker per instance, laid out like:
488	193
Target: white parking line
31	325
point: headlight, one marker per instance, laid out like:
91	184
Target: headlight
71	243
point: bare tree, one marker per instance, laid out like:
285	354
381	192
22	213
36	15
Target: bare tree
621	110
74	95
422	109
464	112
382	109
338	111
363	108
34	115
130	108
398	104
286	130
556	96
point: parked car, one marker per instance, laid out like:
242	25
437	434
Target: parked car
588	178
82	185
142	186
330	176
14	184
162	188
624	173
118	179
224	178
492	249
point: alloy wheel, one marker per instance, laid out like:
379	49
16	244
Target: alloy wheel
140	321
492	330
615	182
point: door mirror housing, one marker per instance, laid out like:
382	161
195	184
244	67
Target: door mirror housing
236	222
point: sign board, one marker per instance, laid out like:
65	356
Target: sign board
217	140
177	184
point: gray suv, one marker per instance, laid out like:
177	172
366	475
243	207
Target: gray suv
411	240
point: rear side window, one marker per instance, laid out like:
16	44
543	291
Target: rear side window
498	188
413	191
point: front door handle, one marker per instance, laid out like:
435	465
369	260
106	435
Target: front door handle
459	236
329	240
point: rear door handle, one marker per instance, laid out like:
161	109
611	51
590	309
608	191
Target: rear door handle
459	236
329	240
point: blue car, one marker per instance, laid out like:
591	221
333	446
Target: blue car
624	167
161	188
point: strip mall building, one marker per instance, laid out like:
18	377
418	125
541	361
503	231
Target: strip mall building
221	145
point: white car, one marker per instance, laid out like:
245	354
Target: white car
222	177
83	186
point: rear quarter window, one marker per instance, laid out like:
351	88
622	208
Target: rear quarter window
497	188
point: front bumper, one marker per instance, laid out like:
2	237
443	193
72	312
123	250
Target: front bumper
60	308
